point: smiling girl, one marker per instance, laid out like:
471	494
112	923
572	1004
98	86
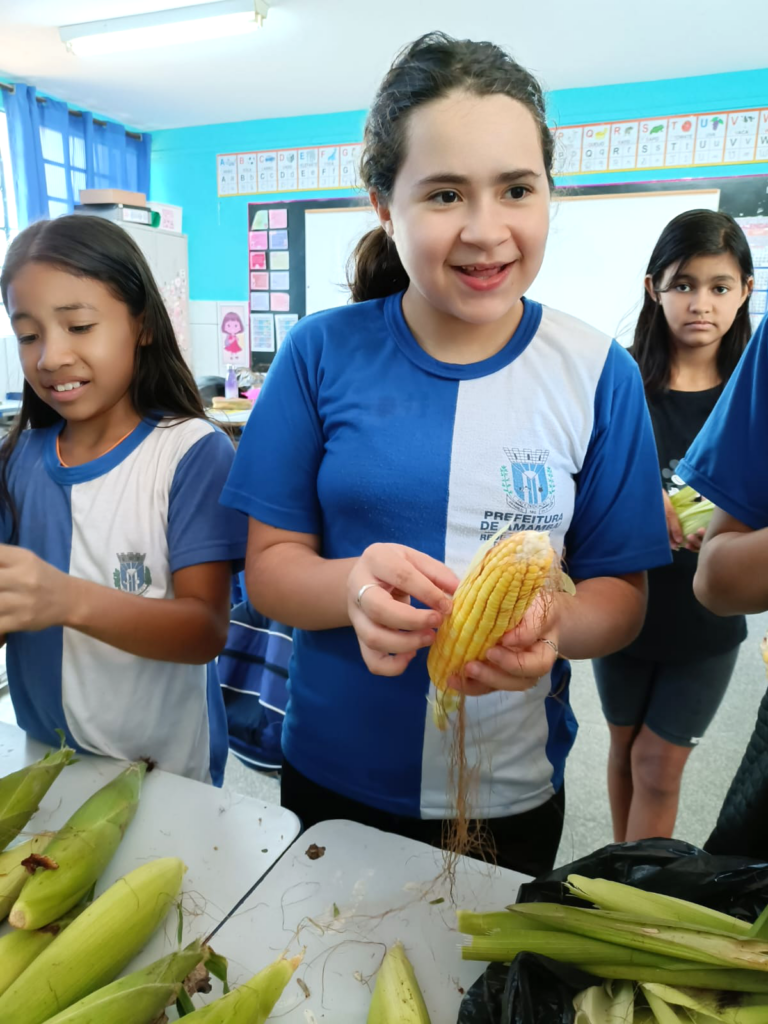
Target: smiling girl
115	565
660	694
404	429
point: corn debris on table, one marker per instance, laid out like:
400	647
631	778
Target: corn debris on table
499	587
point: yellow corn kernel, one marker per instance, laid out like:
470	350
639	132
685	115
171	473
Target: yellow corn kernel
491	600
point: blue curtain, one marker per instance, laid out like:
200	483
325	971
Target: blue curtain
56	153
23	113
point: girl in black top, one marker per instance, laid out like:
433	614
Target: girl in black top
660	693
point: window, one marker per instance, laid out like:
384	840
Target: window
8	218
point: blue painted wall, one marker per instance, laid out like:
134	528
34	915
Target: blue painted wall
184	159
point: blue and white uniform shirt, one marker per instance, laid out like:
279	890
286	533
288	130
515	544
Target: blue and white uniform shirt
128	520
359	436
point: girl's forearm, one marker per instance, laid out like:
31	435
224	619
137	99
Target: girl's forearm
732	574
606	614
291	583
183	629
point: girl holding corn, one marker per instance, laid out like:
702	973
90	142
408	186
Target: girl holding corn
404	429
661	693
726	463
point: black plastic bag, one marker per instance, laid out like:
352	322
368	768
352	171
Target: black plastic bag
536	990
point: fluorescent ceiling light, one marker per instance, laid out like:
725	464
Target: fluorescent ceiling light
165	28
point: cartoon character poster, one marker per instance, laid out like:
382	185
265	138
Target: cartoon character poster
232	325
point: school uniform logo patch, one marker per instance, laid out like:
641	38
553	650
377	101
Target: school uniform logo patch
133	576
528	482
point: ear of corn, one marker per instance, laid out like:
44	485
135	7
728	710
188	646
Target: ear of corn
139	997
627	899
22	791
252	1002
80	852
708	947
711	1005
397	998
97	946
492	599
693	511
13	873
19	949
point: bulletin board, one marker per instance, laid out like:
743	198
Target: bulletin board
600	242
277	270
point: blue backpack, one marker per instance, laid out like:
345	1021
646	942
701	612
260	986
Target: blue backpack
253	672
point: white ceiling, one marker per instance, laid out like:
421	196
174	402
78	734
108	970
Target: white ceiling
319	56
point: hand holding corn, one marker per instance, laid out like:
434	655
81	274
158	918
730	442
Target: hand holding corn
380	588
521	657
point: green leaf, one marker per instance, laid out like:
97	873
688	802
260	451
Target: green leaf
184	1004
335	910
147	576
218	967
434	903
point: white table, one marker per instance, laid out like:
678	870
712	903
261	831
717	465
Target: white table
368	890
226	840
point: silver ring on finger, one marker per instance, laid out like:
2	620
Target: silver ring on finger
550	643
361	591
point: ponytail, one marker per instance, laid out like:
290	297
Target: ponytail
374	270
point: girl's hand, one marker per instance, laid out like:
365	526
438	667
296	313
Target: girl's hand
694	541
379	591
33	594
522	656
673	523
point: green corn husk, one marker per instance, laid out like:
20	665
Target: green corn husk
662	1011
708	947
693	511
566	947
22	791
685	974
97	946
498	922
397	998
13	874
19	949
610	1003
629	900
710	1005
81	849
140	997
252	1002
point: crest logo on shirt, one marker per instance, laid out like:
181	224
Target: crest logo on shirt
133	576
528	481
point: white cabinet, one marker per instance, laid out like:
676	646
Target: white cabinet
166	253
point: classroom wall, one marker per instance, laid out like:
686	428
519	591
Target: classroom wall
184	159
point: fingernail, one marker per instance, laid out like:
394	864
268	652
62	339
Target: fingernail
493	655
435	621
446	606
428	638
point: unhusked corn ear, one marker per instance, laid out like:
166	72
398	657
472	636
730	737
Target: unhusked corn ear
97	946
22	791
19	949
397	998
252	1002
14	873
491	600
139	997
629	900
79	852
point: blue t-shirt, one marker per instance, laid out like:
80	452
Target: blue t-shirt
359	436
728	461
129	519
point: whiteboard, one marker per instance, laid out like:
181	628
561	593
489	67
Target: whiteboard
330	238
597	252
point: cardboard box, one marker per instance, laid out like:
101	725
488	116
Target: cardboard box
91	196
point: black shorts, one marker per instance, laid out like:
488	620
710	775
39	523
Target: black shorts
676	701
